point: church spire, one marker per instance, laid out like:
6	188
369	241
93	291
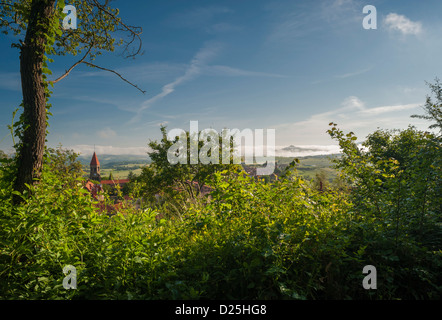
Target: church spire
95	173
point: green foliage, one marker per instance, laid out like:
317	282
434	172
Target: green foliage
281	239
321	182
433	109
97	25
64	162
45	38
177	183
3	155
396	187
133	187
224	250
398	176
254	240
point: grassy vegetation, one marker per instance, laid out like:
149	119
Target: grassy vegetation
308	167
286	238
120	173
119	166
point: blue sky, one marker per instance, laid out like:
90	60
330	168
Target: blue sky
292	66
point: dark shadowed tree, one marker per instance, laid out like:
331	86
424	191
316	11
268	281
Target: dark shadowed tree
37	26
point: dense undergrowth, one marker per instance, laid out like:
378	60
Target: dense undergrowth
254	240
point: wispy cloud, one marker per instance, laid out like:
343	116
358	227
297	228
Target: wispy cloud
192	71
294	19
387	109
109	150
10	81
352	74
235	72
292	25
106	133
197	67
153	72
115	101
351	115
208	19
95	99
351	103
401	23
341	11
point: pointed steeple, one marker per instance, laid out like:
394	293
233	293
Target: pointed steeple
94	161
95	168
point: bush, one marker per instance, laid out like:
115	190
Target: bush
252	240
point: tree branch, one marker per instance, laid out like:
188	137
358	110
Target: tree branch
113	71
130	29
71	68
82	60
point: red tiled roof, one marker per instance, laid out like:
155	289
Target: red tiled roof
94	161
88	186
93	188
122	181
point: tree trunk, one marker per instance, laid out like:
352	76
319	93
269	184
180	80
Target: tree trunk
31	151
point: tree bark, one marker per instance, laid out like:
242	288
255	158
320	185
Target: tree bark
31	151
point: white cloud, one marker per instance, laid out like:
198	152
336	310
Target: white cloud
352	74
152	72
386	109
292	20
306	150
341	11
197	67
89	150
235	72
193	70
401	23
106	133
291	25
352	102
353	115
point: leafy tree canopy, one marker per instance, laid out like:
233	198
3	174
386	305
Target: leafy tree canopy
160	175
433	108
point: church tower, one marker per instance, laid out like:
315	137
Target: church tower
95	169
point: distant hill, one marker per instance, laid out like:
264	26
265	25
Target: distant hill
109	160
310	164
307	150
292	148
121	165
